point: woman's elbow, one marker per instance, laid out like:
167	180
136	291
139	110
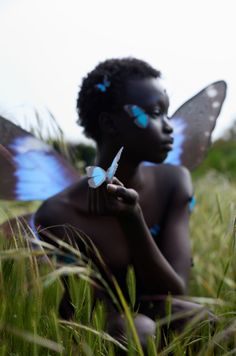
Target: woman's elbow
180	287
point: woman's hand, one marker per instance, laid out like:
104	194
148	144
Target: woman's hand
113	199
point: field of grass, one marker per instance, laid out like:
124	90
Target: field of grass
30	290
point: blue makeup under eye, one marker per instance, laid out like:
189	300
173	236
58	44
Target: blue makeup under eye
141	119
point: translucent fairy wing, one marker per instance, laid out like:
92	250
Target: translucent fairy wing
96	176
193	124
113	167
30	169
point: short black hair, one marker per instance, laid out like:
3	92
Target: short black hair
92	101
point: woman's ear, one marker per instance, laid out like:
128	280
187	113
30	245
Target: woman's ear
107	124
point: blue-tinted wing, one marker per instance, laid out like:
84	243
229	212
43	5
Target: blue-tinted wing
112	169
96	176
30	169
174	157
193	124
141	119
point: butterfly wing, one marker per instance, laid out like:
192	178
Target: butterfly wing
30	169
193	124
141	118
96	176
113	167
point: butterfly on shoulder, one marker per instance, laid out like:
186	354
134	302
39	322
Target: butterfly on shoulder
97	175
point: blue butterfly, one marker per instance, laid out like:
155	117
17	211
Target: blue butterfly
103	86
97	175
141	118
33	170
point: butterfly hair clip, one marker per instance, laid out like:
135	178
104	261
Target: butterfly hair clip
97	175
141	119
104	85
32	170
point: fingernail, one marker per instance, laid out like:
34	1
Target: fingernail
111	187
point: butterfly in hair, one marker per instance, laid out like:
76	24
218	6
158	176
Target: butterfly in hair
104	85
97	175
33	170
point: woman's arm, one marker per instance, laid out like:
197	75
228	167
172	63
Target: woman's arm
154	273
163	268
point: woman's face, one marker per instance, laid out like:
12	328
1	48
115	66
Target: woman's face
142	122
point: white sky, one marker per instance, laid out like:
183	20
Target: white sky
47	46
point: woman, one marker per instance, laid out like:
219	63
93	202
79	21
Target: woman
142	217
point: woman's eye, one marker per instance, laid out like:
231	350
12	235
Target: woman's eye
156	113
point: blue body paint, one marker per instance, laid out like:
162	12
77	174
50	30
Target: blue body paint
155	230
192	203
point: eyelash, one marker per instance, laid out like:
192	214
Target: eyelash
155	114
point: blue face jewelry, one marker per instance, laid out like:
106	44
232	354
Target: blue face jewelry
141	119
104	85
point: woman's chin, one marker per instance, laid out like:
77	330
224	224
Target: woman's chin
158	159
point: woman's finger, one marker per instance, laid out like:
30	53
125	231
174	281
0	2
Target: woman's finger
116	181
129	196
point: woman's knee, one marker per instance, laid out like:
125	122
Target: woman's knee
145	327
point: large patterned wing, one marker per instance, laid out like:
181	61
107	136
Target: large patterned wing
30	169
193	124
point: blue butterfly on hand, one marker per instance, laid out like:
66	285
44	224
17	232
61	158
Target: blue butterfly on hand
33	170
141	119
97	175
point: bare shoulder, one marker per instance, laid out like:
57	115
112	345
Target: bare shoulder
173	178
180	175
61	205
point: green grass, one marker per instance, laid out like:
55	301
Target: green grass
221	158
30	290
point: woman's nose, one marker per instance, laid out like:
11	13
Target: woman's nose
167	127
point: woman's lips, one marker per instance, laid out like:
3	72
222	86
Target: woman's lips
167	145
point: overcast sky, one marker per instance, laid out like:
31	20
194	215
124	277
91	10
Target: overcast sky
47	46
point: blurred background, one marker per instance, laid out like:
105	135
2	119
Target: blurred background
48	46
